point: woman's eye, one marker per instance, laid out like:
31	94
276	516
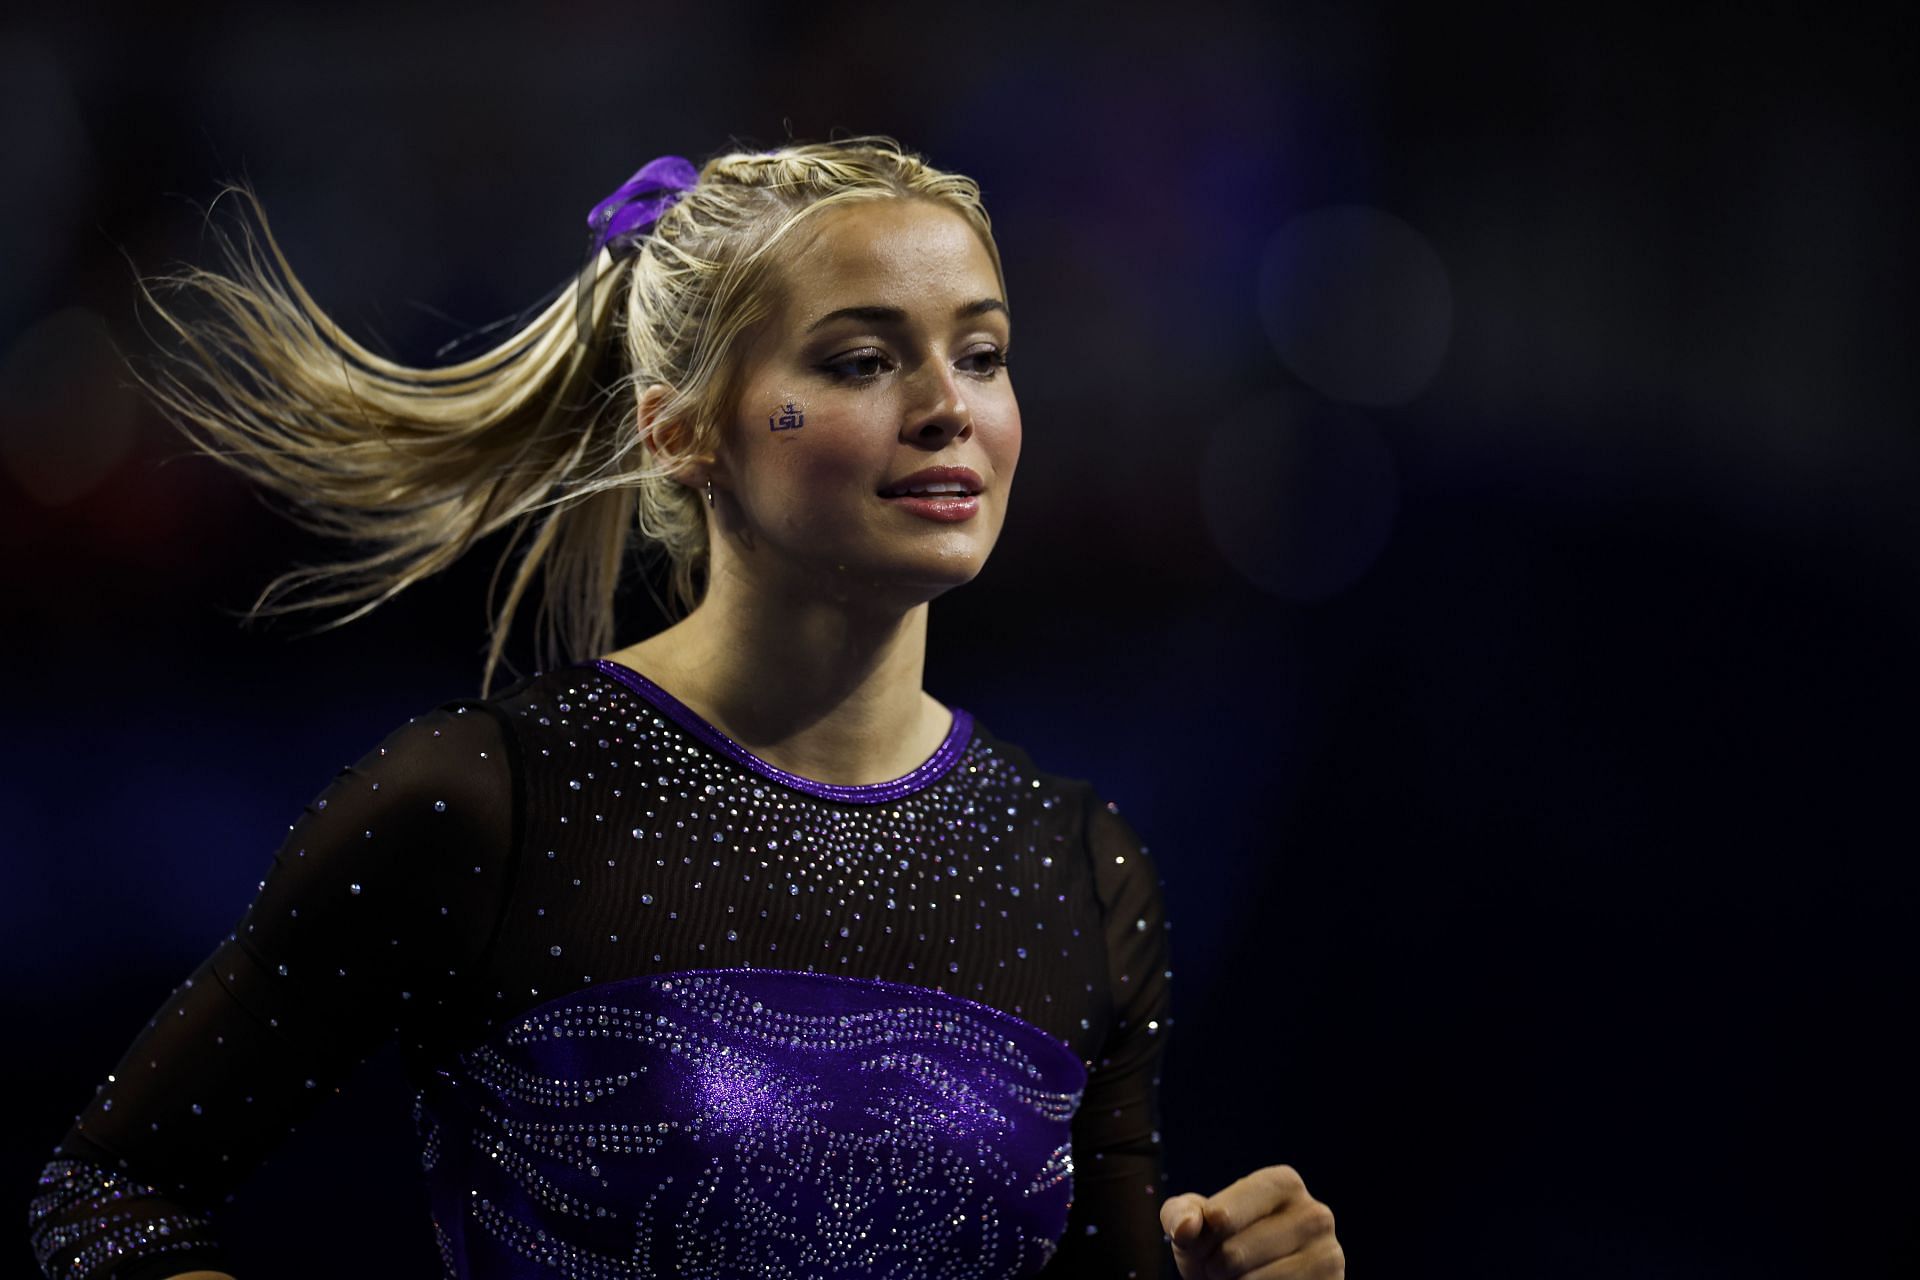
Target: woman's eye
986	362
865	366
857	366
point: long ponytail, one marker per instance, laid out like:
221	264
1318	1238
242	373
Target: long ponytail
539	431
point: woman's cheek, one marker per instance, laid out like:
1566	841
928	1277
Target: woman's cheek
1009	444
817	465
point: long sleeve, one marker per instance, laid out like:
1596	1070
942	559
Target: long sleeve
382	895
1113	1231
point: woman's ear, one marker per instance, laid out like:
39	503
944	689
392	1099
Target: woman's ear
663	436
669	437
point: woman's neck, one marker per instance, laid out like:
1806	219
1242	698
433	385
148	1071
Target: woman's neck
820	688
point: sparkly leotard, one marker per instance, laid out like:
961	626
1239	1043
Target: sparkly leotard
670	1010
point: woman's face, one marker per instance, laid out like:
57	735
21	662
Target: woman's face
883	359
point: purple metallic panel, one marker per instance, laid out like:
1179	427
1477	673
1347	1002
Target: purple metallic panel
753	1123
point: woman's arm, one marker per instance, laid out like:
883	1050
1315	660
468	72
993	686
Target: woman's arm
1113	1230
378	900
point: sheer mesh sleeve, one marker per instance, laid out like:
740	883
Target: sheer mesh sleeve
1113	1231
381	896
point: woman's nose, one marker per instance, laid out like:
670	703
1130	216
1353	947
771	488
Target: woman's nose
940	412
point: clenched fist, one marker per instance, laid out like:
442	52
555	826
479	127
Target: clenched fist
1263	1227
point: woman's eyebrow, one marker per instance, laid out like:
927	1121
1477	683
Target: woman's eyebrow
879	315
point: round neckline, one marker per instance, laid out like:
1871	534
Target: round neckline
930	770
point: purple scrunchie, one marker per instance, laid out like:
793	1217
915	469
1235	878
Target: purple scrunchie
630	212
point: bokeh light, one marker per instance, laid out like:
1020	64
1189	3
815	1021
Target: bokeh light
67	416
1357	304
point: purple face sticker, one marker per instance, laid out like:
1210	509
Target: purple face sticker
786	418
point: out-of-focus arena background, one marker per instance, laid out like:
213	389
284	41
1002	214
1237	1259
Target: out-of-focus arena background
1467	522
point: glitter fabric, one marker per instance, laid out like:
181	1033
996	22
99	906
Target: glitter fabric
584	841
90	1218
755	1123
936	764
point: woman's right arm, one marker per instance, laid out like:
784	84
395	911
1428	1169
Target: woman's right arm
380	898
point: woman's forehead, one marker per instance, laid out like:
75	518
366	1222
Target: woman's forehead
899	247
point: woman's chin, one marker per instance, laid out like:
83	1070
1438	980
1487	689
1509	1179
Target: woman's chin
906	581
889	572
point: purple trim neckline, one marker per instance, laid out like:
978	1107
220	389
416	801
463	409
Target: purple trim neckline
944	757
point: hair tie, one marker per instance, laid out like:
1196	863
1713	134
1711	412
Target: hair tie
619	221
623	219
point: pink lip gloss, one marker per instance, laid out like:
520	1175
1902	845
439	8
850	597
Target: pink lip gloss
948	508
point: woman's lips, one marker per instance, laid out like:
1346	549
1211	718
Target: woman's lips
945	507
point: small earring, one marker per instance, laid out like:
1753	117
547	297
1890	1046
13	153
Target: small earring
709	491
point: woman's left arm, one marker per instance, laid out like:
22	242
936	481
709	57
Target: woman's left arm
1113	1232
1122	1219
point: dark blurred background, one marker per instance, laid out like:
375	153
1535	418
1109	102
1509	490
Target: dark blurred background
1467	523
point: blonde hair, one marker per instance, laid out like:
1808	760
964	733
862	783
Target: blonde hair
416	464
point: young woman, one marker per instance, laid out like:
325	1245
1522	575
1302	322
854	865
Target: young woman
731	952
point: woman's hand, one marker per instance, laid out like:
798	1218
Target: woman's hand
1264	1227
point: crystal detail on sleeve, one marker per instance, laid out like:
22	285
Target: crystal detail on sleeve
114	1228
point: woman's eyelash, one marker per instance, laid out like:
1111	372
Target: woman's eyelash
996	360
835	366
